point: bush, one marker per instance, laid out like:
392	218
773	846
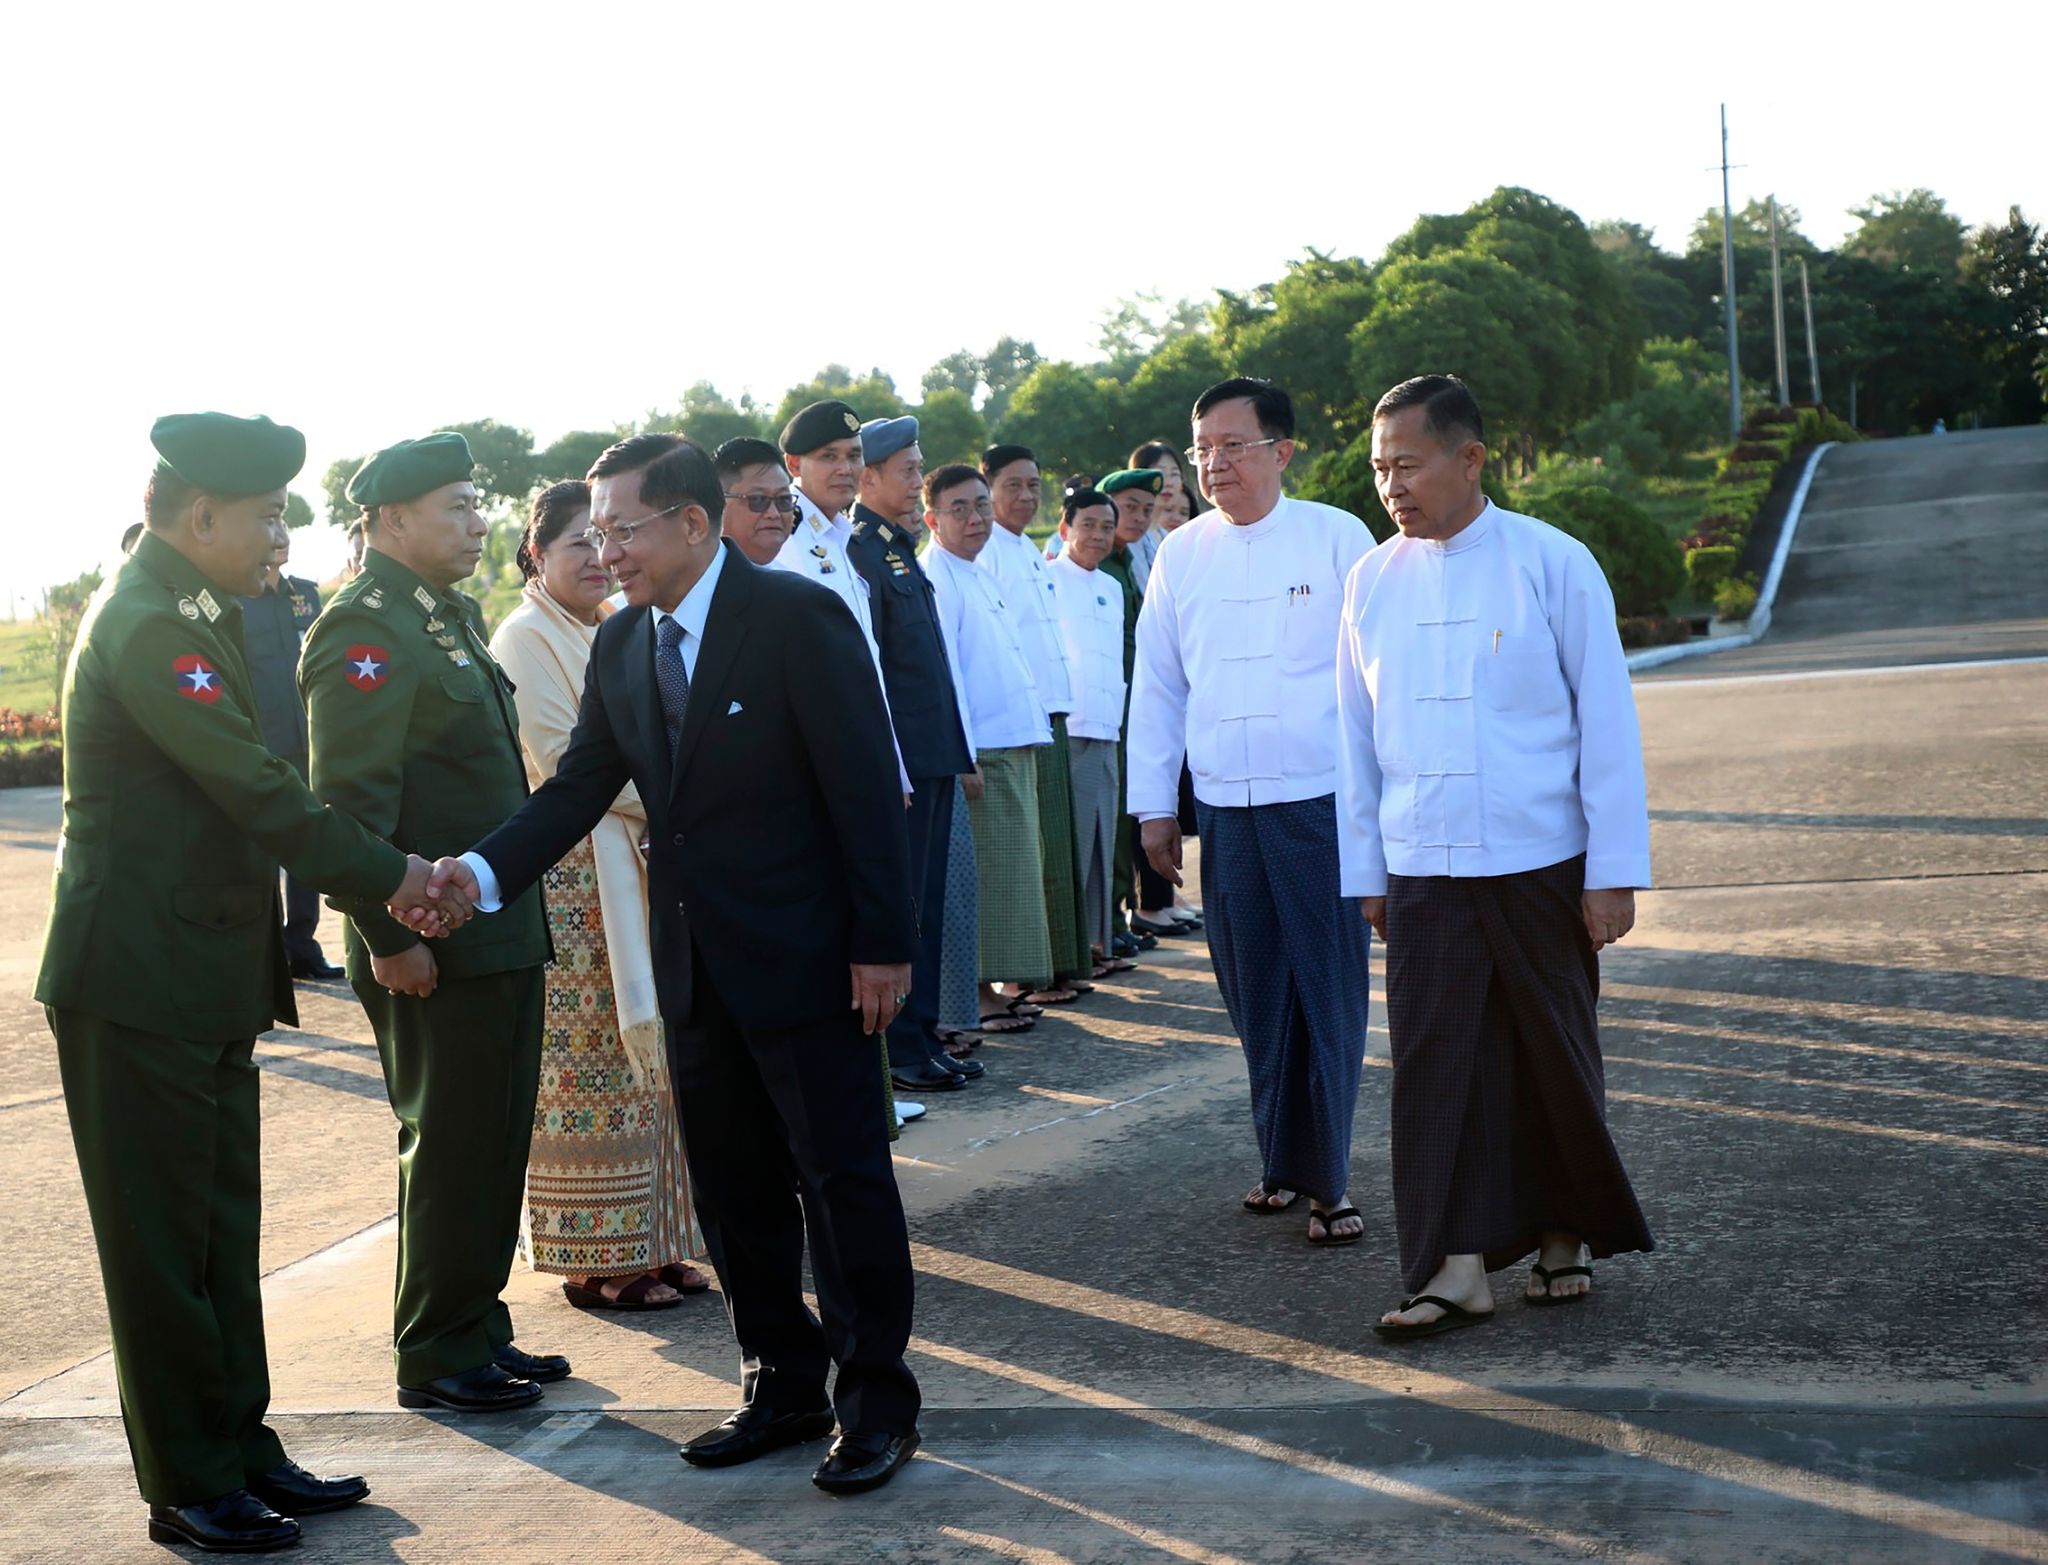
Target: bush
1735	597
1642	567
1746	472
31	766
1818	424
1653	630
1706	568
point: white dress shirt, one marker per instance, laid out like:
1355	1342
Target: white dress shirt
1236	665
1025	580
1091	623
691	614
1488	723
816	550
1002	701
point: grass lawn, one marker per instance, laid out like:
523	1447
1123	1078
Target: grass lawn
24	685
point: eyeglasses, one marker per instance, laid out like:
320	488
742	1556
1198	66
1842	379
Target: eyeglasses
759	503
621	533
1231	451
960	510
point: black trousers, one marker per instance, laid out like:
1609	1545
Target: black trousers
301	905
784	1135
914	1035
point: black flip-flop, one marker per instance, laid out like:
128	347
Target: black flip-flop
1550	1274
1454	1316
1329	1220
1265	1208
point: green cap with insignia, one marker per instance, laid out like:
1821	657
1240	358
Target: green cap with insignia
1147	478
819	425
410	469
226	455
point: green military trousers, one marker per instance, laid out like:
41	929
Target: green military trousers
167	1137
462	1070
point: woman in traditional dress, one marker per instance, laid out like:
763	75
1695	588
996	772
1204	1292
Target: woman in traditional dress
607	1196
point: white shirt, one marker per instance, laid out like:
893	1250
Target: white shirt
816	550
1236	665
1488	723
1091	623
1002	703
1025	579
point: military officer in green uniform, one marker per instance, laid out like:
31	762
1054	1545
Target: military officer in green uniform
163	961
415	735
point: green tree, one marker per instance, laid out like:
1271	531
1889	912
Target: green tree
1136	327
297	511
1157	401
872	395
708	417
958	371
504	459
1641	563
948	428
334	491
1915	231
1679	406
1751	227
2007	265
572	454
1062	412
1006	367
57	628
1659	283
1296	332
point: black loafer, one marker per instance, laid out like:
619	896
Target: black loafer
755	1431
485	1389
540	1368
859	1462
290	1490
316	967
236	1523
966	1070
928	1077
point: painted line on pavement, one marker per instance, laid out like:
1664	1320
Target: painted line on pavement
1865	672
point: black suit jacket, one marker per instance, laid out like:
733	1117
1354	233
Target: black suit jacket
777	837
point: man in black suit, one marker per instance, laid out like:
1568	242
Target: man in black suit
743	705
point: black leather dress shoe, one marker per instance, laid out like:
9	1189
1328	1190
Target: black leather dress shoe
966	1070
540	1368
317	967
236	1523
485	1389
290	1490
928	1077
754	1431
858	1462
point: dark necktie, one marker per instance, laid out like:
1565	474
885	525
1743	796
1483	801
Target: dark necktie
674	681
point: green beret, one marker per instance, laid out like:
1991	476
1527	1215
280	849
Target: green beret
226	455
819	425
410	469
1149	479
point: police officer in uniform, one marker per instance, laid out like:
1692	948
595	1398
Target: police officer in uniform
275	620
162	962
415	735
919	680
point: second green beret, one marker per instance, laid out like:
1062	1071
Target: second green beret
1147	478
226	455
818	425
410	469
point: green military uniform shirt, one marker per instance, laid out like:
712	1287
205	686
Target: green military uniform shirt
415	735
164	912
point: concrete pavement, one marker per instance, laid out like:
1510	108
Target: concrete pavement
1827	1047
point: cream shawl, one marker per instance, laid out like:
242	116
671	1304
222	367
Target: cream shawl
546	650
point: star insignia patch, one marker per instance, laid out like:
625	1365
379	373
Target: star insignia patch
197	679
365	667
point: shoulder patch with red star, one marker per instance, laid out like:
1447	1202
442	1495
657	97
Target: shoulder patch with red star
197	679
365	666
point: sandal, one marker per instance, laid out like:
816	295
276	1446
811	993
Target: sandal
1109	967
1329	1220
1021	1005
1078	985
1058	995
966	1039
1255	1200
1002	1022
1549	1274
633	1296
684	1278
1453	1317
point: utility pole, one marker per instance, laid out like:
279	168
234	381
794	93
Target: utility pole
1778	313
1728	288
1812	353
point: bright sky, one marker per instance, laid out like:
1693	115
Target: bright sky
372	219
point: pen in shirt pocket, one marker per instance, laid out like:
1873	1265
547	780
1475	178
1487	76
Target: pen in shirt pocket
1496	643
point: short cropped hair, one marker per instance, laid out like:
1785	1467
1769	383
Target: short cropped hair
1077	500
745	451
998	457
1449	410
951	476
165	498
1273	408
674	472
